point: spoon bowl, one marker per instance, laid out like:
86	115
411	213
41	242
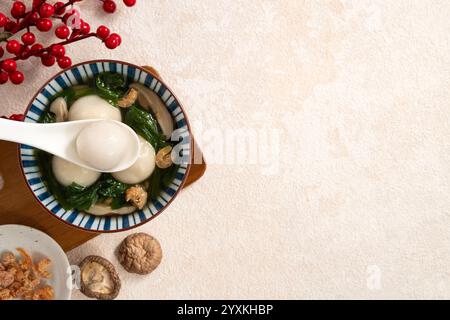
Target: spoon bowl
59	139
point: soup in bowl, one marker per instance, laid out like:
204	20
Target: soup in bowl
104	201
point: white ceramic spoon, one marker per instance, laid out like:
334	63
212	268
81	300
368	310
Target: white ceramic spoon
60	139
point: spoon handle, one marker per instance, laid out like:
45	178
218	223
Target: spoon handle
38	135
20	132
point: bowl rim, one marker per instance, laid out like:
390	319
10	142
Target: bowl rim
188	168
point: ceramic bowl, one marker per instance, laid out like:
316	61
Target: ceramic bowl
78	74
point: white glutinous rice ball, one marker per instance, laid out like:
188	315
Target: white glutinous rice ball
142	168
67	172
103	144
93	107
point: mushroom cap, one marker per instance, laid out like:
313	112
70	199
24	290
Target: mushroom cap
99	287
140	253
164	157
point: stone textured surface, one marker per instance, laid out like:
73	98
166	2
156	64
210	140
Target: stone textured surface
356	202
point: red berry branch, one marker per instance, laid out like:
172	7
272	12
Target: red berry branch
41	17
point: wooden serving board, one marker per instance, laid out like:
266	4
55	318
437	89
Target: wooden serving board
18	205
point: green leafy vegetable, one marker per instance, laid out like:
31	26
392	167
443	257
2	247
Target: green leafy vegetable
110	187
169	175
110	86
160	179
118	202
110	81
82	198
48	117
146	126
155	183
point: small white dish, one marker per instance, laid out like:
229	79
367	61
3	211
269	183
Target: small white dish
40	245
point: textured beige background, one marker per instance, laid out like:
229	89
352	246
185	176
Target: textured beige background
357	202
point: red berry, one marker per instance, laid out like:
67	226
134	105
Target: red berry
116	36
85	27
16	77
64	62
47	59
28	38
62	32
2	52
103	32
111	42
34	17
46	10
3	20
24	53
60	8
44	24
9	65
13	47
129	3
109	6
10	26
18	9
57	50
3	77
36	48
17	117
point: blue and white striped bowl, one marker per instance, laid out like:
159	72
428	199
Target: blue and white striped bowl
78	74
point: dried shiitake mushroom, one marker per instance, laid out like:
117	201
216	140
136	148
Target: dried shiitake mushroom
164	158
128	100
99	278
140	253
137	196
